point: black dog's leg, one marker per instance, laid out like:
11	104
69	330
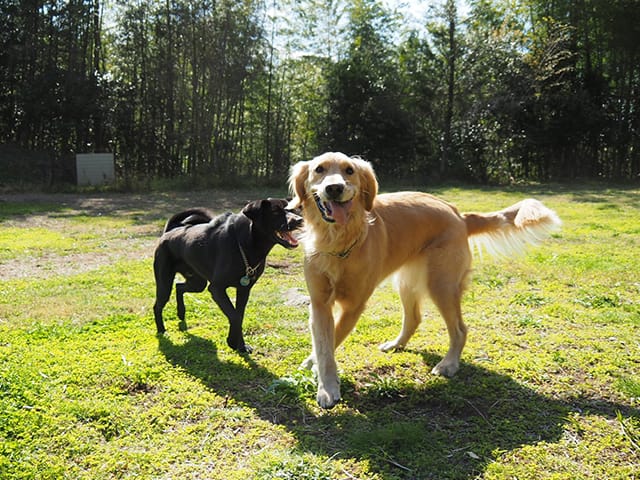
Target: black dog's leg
164	274
193	284
235	315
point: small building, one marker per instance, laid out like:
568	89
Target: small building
95	168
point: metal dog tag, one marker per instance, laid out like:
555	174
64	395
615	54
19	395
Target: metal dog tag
245	281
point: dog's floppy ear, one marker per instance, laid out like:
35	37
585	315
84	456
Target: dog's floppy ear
297	179
254	209
368	183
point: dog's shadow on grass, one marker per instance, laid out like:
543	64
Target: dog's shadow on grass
446	428
199	356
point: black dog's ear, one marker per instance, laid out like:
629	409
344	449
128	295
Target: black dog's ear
253	210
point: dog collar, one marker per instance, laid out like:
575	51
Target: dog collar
250	271
347	252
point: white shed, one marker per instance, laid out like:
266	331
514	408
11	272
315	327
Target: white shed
95	168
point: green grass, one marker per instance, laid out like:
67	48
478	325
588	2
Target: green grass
548	386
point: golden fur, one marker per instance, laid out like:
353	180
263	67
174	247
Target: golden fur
356	238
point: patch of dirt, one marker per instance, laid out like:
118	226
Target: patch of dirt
296	297
146	213
49	263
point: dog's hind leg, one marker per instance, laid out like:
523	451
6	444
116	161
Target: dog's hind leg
410	282
164	274
411	317
447	296
193	284
235	315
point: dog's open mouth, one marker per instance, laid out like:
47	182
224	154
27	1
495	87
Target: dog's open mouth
287	239
333	211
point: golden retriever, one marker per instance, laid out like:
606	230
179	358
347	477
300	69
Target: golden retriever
355	238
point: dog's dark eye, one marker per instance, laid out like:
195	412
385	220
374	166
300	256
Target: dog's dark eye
319	169
349	170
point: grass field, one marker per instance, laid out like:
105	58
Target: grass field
549	385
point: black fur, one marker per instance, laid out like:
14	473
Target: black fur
206	249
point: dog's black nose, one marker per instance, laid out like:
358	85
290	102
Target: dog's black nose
335	190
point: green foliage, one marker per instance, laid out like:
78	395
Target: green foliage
365	115
294	386
631	429
213	92
547	388
303	468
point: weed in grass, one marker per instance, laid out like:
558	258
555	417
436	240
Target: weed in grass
591	300
529	320
631	430
529	299
297	385
304	467
630	387
385	386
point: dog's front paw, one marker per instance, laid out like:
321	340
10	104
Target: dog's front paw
446	368
391	345
328	397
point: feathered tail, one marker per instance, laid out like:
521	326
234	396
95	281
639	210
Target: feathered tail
508	232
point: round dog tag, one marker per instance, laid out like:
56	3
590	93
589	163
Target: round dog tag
245	281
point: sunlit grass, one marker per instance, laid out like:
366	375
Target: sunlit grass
548	386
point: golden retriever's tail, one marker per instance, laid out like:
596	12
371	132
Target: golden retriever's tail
508	232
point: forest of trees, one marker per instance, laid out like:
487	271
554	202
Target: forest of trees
485	91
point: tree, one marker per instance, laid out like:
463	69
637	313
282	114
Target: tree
451	17
186	70
366	117
418	71
50	80
600	104
222	89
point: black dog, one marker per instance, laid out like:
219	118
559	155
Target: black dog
225	251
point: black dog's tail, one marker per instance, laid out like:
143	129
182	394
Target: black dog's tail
193	216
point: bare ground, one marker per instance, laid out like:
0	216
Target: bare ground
146	214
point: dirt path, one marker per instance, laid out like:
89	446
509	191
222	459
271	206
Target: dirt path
144	213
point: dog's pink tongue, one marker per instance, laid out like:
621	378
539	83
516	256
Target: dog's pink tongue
340	211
